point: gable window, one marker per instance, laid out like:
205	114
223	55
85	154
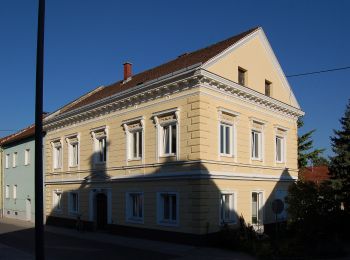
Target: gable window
279	149
73	150
7	161
26	157
57	155
134	206
73	202
14	191
267	88
167	123
227	208
100	145
257	208
256	145
134	130
168	208
14	160
56	200
242	76
7	191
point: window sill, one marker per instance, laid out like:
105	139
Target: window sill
230	223
257	159
73	167
281	162
135	220
168	223
168	155
135	159
227	155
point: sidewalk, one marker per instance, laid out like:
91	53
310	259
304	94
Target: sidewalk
181	251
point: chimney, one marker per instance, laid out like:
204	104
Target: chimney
127	70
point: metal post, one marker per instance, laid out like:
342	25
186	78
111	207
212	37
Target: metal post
39	218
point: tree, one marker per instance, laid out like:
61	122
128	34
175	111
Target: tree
320	161
340	162
305	145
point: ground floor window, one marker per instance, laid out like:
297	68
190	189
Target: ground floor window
168	203
73	202
227	208
56	200
257	208
134	206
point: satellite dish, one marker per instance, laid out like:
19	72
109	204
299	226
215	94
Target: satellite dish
277	206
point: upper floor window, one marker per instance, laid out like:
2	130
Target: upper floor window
257	208
26	156
134	206
100	145
242	76
7	161
257	139
14	191
14	159
168	208
256	144
167	132
227	208
73	150
134	130
280	145
226	133
7	191
268	88
57	154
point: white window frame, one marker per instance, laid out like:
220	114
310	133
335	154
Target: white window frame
231	139
14	191
129	139
168	126
7	191
57	150
160	209
129	208
260	210
7	161
282	149
232	206
160	132
57	200
96	144
260	144
26	157
71	211
72	140
14	159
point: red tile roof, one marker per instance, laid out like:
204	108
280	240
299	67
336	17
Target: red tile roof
20	135
315	174
183	61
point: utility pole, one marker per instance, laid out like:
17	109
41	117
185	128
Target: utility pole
39	212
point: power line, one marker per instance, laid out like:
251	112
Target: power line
7	130
318	72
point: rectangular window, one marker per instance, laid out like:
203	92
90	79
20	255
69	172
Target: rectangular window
14	160
135	144
242	73
169	139
102	150
279	149
257	205
7	191
226	139
56	200
267	88
256	145
168	208
73	202
7	161
227	211
15	191
26	157
73	154
57	156
134	204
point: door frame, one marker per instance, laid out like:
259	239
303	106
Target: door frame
92	203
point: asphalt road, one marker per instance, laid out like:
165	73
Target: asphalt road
58	246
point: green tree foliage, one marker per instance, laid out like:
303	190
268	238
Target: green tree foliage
320	161
340	163
305	147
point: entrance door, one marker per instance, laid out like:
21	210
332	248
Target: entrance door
28	210
101	207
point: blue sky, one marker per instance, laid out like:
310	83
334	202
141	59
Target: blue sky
87	41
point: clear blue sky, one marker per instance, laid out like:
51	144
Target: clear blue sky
87	41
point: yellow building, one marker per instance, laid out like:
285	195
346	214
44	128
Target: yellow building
184	147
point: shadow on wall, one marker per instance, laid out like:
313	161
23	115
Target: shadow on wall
176	200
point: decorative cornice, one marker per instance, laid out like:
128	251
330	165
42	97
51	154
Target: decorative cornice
190	79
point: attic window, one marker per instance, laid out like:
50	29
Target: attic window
183	54
242	76
268	88
140	83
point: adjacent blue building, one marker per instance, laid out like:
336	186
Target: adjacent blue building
18	175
